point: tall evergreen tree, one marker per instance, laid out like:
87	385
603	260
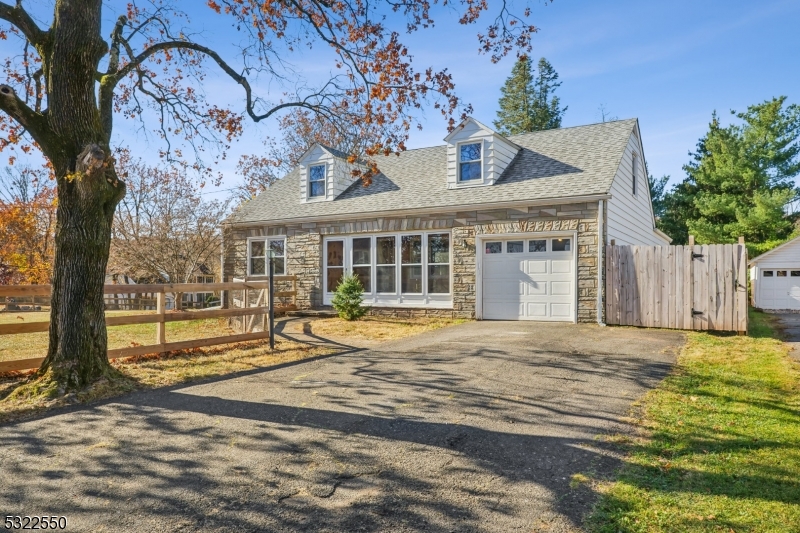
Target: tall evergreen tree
547	110
528	102
516	103
740	179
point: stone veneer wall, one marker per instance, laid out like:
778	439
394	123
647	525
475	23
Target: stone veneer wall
304	250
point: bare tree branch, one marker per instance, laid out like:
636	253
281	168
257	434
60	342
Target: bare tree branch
20	18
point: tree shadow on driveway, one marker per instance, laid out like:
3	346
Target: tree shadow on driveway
457	433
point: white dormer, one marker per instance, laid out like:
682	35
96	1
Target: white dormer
324	174
476	155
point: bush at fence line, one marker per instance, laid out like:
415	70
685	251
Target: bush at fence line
348	298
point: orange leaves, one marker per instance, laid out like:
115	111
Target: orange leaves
26	234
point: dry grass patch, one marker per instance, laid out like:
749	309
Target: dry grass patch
373	328
22	394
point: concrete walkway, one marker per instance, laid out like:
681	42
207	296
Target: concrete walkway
477	427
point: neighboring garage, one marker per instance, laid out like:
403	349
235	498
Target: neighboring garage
775	277
527	277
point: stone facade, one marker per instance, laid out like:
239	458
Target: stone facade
304	250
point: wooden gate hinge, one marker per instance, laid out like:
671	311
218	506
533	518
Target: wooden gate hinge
696	256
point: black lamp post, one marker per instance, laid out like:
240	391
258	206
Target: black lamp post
271	301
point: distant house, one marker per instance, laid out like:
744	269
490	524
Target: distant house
483	226
775	277
127	298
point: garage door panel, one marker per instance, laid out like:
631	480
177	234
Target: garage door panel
537	310
528	285
560	288
535	288
561	310
561	266
536	267
501	286
503	310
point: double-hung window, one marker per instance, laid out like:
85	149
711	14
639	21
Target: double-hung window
469	162
316	181
362	265
386	268
439	263
411	260
260	251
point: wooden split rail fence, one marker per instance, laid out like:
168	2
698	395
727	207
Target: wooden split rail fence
160	317
696	287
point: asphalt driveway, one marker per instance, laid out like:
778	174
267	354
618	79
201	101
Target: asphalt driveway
478	427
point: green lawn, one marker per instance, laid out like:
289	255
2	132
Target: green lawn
721	444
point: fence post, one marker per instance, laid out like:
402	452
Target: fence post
160	325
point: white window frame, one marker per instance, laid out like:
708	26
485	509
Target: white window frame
396	298
266	240
324	182
458	162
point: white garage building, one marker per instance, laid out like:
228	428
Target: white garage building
775	276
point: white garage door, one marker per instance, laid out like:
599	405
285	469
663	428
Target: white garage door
528	279
779	288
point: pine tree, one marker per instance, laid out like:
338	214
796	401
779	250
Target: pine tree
528	102
547	110
516	103
348	298
740	179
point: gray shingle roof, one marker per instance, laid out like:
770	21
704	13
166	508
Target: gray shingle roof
552	164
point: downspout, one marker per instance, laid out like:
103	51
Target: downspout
601	256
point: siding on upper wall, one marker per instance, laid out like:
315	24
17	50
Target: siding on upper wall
630	217
787	257
496	151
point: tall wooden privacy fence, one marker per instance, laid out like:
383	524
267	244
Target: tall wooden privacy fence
697	287
252	308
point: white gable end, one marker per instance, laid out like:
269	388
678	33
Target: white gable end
496	153
630	209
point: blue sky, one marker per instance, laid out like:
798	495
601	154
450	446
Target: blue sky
668	63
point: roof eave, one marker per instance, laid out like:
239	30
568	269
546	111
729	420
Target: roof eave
560	200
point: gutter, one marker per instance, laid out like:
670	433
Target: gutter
662	234
423	210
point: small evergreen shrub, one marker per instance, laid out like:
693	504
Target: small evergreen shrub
348	298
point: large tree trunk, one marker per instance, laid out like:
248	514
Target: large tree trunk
78	341
88	193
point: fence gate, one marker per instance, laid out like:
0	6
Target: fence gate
700	287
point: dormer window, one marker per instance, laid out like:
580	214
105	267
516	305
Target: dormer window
316	181
470	162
